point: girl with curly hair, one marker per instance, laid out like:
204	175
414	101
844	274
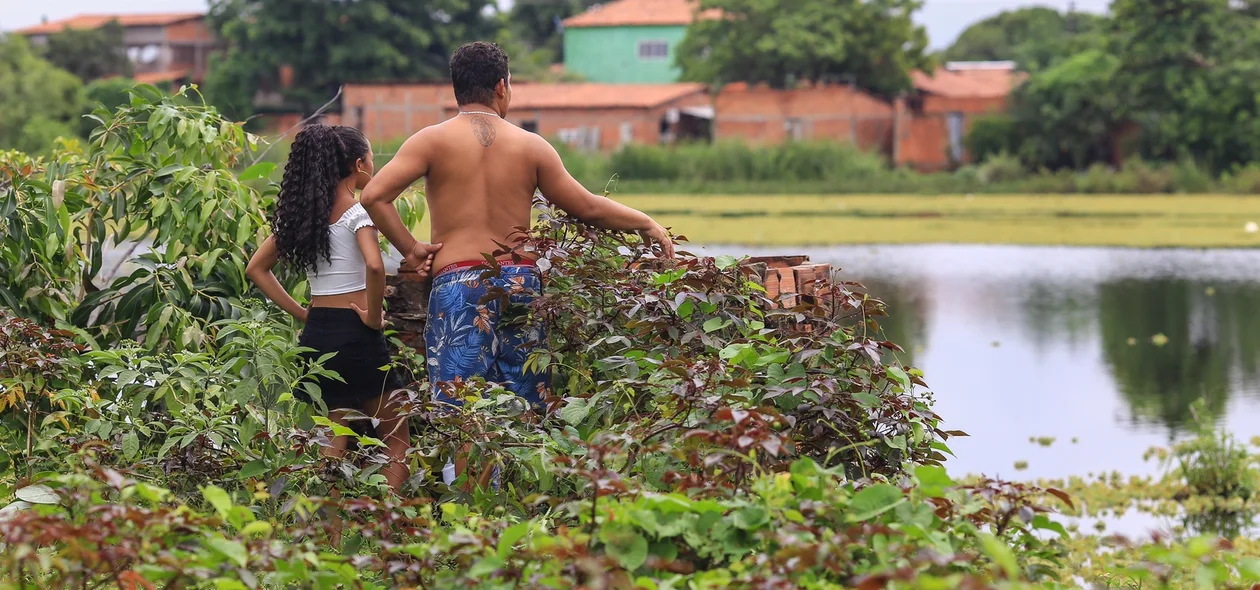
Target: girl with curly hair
320	227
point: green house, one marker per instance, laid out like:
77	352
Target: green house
627	41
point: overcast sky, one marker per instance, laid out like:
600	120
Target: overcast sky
944	19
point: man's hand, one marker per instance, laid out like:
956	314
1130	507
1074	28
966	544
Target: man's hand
657	234
420	258
376	323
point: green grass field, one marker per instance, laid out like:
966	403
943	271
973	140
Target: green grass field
1198	221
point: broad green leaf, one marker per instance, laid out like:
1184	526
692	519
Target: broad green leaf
873	501
260	528
751	517
218	498
38	494
486	566
130	445
932	479
900	376
12	509
724	262
338	430
1001	554
1043	522
259	170
233	550
510	536
575	410
715	324
252	469
624	544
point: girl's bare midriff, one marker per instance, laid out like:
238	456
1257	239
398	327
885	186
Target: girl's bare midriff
342	300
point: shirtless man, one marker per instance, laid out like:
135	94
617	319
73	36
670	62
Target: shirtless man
481	173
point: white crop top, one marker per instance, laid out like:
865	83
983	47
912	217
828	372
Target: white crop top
346	272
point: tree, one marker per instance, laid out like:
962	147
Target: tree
328	43
1035	38
872	43
38	101
1190	70
90	53
1067	114
536	23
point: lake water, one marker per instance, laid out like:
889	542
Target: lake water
1021	341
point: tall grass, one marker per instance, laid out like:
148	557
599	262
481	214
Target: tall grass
839	168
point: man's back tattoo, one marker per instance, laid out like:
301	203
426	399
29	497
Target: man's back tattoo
484	130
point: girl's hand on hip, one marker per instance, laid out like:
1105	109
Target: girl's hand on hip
377	323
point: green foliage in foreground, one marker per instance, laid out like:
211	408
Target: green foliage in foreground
699	436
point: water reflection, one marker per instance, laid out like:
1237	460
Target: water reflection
1106	346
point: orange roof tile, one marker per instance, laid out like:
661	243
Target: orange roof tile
156	77
92	21
639	13
971	83
595	96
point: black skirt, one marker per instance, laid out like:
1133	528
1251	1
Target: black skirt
360	353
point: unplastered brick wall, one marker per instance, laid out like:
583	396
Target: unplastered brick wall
760	114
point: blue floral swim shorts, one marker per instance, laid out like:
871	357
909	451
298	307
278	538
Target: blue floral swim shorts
467	337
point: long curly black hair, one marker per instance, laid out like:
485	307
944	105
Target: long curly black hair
321	157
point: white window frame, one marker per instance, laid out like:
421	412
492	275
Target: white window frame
649	56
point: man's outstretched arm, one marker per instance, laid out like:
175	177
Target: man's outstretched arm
559	187
408	165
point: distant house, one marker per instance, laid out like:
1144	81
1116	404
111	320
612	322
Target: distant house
164	48
586	116
935	118
627	41
836	112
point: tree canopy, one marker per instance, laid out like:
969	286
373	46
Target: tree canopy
328	43
1035	38
90	53
38	101
874	44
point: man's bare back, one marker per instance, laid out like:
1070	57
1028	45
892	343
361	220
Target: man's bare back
482	174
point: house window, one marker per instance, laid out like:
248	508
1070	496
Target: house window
530	125
794	129
653	50
627	133
582	138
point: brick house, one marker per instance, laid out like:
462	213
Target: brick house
165	47
627	41
759	114
933	120
586	116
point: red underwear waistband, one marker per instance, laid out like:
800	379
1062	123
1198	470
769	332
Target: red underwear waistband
454	266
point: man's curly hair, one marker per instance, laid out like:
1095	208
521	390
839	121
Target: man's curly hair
476	69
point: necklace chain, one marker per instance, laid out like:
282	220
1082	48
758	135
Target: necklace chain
479	113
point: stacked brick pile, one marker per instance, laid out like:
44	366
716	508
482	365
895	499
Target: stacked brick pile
791	280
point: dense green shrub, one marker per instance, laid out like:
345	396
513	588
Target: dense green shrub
699	436
989	136
1001	167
